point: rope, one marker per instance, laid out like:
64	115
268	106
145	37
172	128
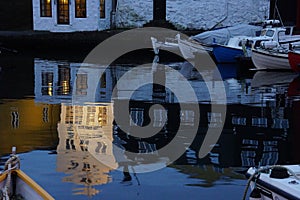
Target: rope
14	160
12	163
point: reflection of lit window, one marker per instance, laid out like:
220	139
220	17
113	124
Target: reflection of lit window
46	10
136	117
45	115
15	119
239	120
64	80
47	83
78	114
69	115
81	84
214	119
187	117
280	123
102	116
90	118
260	122
160	117
102	8
80	6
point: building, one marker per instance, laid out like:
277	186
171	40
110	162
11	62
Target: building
71	15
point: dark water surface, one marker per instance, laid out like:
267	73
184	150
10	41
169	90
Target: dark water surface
61	116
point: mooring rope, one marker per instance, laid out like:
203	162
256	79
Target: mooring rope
11	164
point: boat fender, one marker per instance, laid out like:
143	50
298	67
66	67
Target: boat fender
279	173
255	194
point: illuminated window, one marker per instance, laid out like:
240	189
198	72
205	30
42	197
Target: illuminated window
46	10
80	11
63	12
102	8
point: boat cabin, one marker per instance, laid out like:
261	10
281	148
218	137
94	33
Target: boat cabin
71	15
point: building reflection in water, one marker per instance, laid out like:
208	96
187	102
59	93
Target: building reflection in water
85	129
260	128
85	142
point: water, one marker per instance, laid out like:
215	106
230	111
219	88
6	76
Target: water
62	117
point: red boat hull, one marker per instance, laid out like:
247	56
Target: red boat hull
294	60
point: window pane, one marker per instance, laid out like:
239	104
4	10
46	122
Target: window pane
102	8
63	12
45	8
80	8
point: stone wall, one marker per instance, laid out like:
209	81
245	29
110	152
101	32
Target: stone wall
193	14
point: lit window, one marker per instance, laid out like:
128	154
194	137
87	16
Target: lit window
102	8
63	12
80	6
46	10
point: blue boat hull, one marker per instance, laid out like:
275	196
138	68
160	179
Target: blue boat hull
225	54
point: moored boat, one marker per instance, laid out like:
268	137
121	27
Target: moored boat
230	52
274	182
294	60
170	44
15	184
190	48
270	59
241	45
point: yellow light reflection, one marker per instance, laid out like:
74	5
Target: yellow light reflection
66	87
50	90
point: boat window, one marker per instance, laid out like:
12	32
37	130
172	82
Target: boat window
270	33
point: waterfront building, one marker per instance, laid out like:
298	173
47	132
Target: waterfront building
71	15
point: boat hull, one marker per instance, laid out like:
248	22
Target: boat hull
171	46
224	54
25	186
294	60
189	48
271	187
263	59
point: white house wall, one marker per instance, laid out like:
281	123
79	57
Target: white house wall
193	14
91	23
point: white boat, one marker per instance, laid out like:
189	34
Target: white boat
270	58
241	45
274	182
170	44
15	184
190	48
